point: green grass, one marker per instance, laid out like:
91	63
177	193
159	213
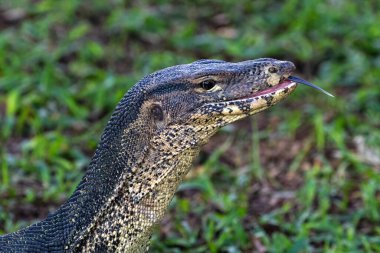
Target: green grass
301	177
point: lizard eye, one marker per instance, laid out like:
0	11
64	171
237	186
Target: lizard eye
207	84
272	70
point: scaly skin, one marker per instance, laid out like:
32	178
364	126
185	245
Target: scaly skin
147	148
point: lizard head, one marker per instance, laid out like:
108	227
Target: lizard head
208	94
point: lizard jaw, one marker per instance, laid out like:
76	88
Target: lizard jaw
233	110
259	101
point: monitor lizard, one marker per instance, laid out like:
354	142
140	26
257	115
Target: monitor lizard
147	148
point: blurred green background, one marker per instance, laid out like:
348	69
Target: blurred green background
303	176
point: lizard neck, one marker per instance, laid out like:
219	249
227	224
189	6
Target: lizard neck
128	186
126	218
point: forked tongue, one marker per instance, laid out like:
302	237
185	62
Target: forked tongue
299	80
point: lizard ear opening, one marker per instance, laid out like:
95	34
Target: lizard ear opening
157	113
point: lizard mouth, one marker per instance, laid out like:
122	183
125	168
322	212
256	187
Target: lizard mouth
283	87
259	101
232	110
253	103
